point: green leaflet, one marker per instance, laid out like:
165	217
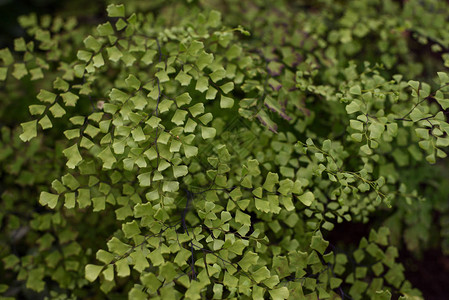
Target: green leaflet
116	10
48	199
73	156
307	198
92	272
107	157
29	130
208	132
226	102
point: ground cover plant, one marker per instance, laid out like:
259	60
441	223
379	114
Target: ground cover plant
213	150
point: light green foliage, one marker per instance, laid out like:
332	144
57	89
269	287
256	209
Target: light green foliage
199	160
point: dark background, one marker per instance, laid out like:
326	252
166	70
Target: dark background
11	9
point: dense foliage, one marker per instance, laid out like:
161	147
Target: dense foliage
209	149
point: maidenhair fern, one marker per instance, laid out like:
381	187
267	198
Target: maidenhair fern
211	155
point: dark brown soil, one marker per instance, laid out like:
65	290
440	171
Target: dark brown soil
430	274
